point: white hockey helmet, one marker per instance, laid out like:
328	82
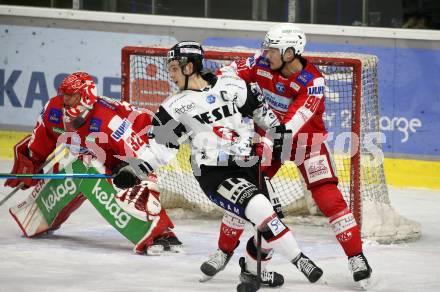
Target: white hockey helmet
283	36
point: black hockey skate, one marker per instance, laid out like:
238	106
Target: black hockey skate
249	281
165	244
361	269
270	279
216	263
308	268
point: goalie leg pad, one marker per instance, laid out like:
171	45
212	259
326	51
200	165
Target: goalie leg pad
143	202
47	207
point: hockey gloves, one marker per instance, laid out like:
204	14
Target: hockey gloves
125	176
23	164
281	136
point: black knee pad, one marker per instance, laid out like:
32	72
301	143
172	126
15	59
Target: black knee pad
251	249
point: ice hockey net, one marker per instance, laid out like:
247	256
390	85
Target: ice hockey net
352	114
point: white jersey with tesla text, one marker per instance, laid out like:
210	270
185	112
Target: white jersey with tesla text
217	120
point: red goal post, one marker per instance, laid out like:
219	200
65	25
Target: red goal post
352	104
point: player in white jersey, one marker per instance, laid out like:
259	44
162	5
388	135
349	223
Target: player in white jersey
214	114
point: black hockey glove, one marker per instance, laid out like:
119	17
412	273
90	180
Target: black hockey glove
125	176
280	136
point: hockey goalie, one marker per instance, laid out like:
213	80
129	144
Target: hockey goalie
93	134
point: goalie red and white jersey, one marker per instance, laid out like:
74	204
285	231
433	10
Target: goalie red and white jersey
112	128
298	101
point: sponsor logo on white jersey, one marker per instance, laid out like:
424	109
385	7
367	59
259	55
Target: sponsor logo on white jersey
316	90
120	131
184	108
276	101
264	74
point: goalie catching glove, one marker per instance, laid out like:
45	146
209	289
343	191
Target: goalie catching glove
131	173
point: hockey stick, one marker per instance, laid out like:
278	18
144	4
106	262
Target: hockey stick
260	185
53	175
11	193
58	151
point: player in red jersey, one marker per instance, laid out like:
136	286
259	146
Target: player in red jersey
295	90
103	126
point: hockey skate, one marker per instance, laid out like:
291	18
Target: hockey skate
216	263
312	272
270	279
361	270
167	243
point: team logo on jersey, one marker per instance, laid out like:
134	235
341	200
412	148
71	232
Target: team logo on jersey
316	90
225	133
251	61
55	116
264	74
95	125
210	99
280	87
120	131
295	86
304	77
217	114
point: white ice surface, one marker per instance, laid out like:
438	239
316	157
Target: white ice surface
86	254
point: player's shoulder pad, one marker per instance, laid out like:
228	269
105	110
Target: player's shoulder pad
178	103
231	82
262	62
107	102
53	110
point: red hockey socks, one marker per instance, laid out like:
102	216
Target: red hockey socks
330	201
231	229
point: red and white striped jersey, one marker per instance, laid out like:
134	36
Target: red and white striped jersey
298	101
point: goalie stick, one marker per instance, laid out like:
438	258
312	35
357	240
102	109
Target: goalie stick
53	175
59	150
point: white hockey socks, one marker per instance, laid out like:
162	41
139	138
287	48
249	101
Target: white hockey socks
277	235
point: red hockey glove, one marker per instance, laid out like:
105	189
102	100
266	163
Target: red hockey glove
23	164
263	149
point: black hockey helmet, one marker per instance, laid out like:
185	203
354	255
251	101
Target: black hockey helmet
185	52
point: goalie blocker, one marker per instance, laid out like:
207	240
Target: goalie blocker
136	212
